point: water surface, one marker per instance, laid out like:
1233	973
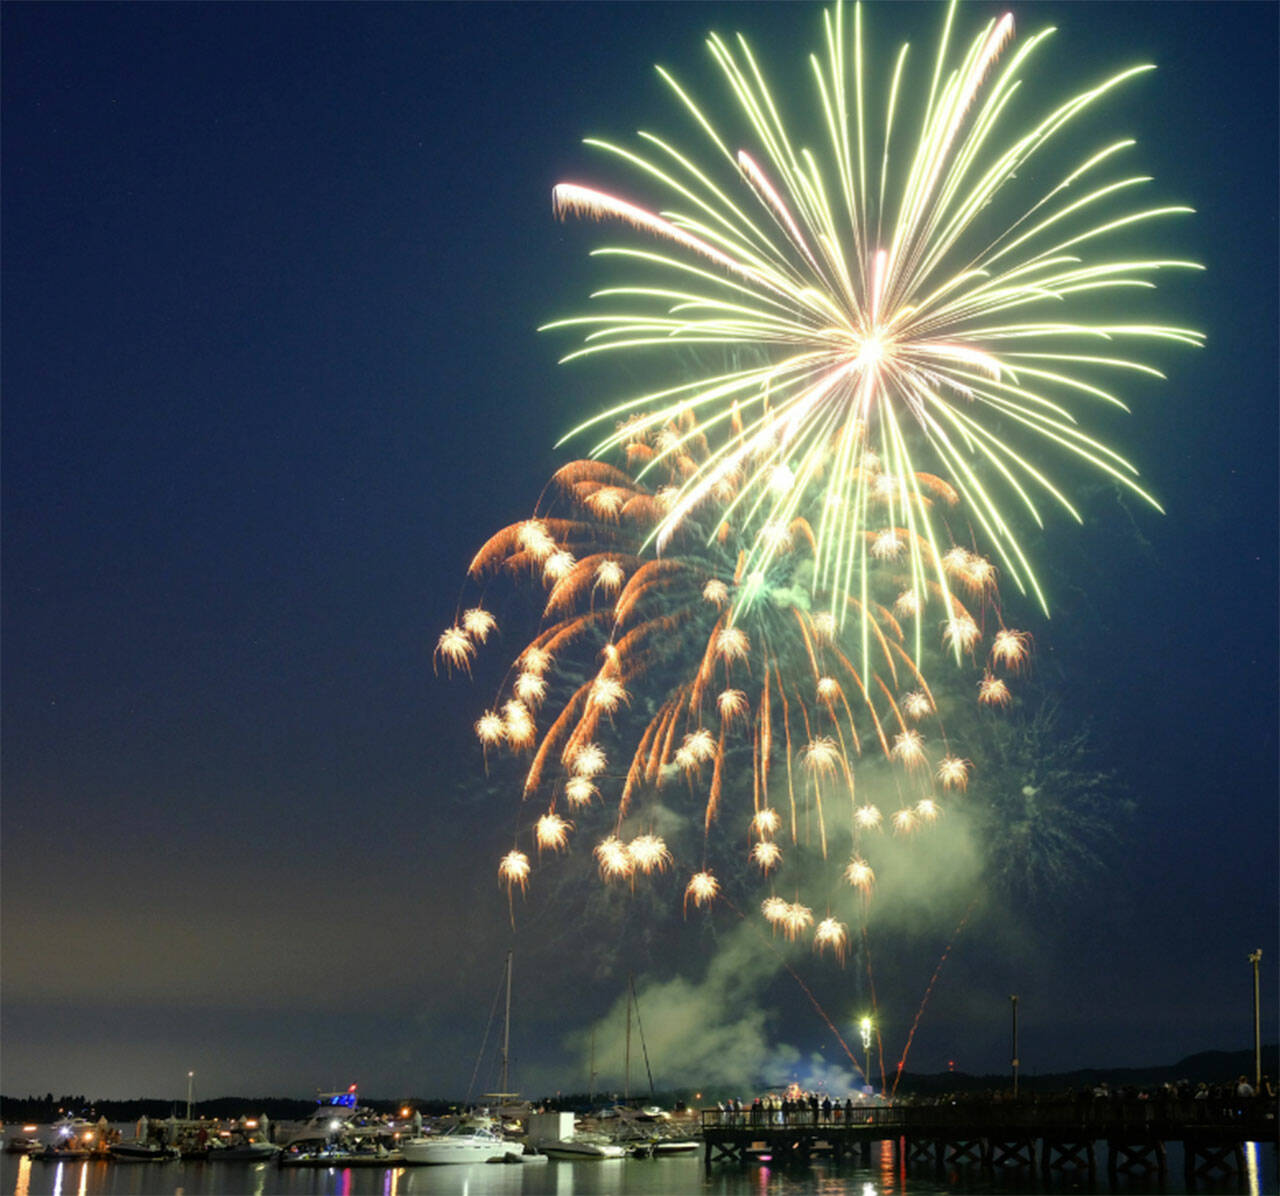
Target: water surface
617	1177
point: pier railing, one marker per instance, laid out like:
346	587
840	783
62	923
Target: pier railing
1252	1118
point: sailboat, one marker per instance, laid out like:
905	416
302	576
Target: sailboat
647	1131
478	1138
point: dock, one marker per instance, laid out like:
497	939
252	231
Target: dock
1052	1136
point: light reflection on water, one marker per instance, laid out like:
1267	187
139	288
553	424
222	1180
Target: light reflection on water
682	1176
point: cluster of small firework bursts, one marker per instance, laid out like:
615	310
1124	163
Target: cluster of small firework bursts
732	664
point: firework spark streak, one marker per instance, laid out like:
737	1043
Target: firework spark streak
928	992
923	292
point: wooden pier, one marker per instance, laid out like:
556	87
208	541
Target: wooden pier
1050	1136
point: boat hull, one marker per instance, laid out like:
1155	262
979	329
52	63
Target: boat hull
454	1149
124	1152
51	1155
258	1152
582	1150
342	1158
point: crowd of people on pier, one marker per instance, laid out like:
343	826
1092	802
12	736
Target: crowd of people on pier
799	1108
1180	1100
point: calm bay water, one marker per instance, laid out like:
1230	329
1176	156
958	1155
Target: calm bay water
621	1177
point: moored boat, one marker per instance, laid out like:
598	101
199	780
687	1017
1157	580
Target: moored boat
462	1145
581	1146
338	1118
247	1150
24	1142
59	1152
138	1151
666	1146
312	1154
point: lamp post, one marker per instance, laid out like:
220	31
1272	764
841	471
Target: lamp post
1013	1001
865	1027
1256	958
191	1076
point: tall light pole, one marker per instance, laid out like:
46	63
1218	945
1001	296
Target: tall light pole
1256	959
865	1027
1013	1001
191	1076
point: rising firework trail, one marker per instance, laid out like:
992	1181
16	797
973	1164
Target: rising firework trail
928	289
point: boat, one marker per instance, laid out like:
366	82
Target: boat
336	1154
463	1144
559	1136
338	1118
73	1127
23	1143
668	1146
245	1150
478	1137
648	1133
67	1151
582	1146
138	1151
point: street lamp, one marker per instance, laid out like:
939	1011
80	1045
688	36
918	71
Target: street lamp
1013	1000
1256	958
865	1027
191	1076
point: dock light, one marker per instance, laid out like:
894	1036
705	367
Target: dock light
335	1124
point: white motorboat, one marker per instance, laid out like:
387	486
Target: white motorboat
338	1118
463	1145
582	1146
666	1146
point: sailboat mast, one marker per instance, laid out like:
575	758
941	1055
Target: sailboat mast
626	1075
506	1029
632	999
591	1086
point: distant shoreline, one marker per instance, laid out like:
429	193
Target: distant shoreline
1206	1066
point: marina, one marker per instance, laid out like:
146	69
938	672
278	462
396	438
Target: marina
976	1145
684	1175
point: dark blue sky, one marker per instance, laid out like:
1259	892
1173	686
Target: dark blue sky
271	278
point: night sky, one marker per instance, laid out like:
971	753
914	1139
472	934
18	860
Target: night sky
271	283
